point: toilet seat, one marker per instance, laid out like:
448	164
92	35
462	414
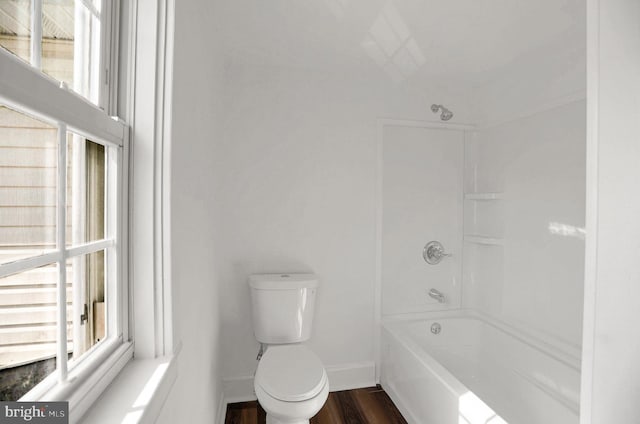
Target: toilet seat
291	373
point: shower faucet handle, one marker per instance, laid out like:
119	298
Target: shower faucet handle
433	252
437	295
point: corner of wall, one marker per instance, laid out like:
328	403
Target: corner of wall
221	409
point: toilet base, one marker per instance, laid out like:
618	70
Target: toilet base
271	420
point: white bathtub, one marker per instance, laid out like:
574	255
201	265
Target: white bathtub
475	372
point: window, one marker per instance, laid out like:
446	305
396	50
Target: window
63	292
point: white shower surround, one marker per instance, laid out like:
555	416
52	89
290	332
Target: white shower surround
532	138
476	370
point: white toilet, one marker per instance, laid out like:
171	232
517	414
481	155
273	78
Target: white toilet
291	383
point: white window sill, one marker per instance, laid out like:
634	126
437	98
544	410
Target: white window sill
137	393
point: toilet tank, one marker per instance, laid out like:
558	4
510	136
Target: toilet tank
282	307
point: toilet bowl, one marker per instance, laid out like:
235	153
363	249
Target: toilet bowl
291	384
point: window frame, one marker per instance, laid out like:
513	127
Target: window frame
27	89
139	74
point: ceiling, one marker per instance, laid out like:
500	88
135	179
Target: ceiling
465	41
459	39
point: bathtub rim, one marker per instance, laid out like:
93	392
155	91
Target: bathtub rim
561	351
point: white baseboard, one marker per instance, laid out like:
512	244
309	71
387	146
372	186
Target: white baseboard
351	376
341	377
238	389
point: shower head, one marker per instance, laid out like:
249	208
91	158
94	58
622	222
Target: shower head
445	113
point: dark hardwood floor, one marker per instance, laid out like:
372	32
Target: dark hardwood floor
361	406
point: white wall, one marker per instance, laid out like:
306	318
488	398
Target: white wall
422	170
534	281
611	370
295	187
197	93
546	77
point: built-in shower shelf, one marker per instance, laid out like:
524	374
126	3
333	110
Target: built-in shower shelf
491	241
483	196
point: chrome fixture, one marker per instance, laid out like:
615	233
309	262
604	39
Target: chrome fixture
433	252
436	328
260	352
437	295
445	114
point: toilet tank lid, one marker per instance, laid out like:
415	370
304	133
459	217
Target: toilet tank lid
282	281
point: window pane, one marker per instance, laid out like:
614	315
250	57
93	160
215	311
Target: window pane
15	27
28	329
28	157
57	39
86	191
71	44
87	274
